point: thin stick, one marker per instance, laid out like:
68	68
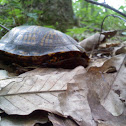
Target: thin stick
4	27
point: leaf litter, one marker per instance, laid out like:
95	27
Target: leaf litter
94	96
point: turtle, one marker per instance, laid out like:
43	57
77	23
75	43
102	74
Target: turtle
41	46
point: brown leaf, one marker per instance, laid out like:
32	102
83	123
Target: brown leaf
103	83
97	62
100	114
98	85
109	124
116	99
74	104
60	121
120	50
93	41
97	79
37	89
109	34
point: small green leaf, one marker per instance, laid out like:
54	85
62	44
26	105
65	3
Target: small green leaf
32	15
2	2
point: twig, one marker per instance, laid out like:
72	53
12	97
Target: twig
104	20
102	28
106	6
112	16
4	27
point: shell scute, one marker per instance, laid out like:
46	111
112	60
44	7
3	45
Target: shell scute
37	39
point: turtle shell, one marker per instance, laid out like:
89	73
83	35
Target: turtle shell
36	45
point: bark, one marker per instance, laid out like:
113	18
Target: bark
58	13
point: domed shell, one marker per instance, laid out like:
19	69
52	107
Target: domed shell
37	41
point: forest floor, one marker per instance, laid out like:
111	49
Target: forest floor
92	96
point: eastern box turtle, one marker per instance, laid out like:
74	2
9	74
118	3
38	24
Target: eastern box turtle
46	47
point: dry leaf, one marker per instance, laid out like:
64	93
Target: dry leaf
116	99
100	114
3	74
98	85
103	83
74	104
108	124
109	34
93	41
112	101
60	121
97	62
120	50
37	89
96	78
